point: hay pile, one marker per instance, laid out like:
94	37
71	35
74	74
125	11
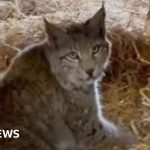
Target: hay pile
127	82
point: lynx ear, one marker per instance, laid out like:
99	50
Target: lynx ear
95	26
54	32
76	28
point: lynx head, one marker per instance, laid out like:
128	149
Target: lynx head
78	53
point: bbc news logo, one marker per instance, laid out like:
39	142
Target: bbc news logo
9	134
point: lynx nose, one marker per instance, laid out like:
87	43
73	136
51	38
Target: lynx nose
90	72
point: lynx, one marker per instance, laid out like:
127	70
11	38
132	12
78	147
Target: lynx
47	91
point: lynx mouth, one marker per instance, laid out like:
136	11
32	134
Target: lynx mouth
88	81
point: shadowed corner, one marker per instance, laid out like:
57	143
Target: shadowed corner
116	134
125	139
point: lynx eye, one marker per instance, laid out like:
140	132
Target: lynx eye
96	49
73	55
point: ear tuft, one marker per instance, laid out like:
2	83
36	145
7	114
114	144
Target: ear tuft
103	4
